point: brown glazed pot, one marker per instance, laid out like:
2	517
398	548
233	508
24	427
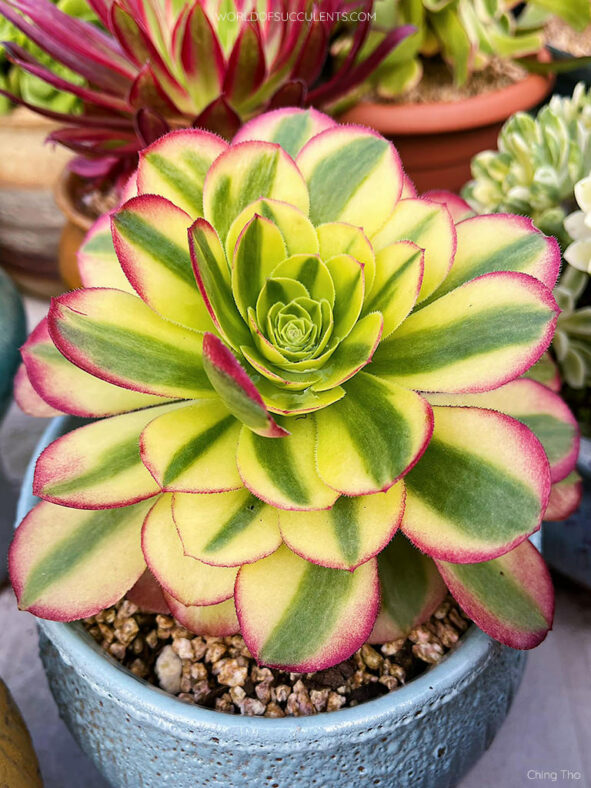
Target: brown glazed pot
30	222
436	141
76	226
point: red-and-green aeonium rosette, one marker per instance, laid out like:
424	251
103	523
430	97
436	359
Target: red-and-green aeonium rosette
307	387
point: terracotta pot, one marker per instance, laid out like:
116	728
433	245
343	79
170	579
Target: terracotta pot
76	226
436	141
30	222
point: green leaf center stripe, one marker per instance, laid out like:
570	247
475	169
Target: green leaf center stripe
144	235
239	521
555	436
404	580
257	183
310	617
510	257
338	176
469	491
307	273
434	347
68	553
346	527
507	258
371	420
382	297
291	133
109	465
509	602
416	232
134	357
189	186
275	458
190	451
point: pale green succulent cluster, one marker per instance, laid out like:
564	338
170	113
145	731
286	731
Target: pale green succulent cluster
572	341
538	162
30	87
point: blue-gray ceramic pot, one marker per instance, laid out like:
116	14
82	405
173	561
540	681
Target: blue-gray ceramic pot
13	332
426	734
567	544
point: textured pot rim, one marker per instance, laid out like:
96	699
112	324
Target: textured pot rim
153	706
477	111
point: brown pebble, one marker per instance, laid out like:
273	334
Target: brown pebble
263	692
392	647
319	699
391	682
428	652
182	647
225	704
201	690
274	710
152	639
199	647
229	672
252	707
118	650
139	668
282	693
215	651
335	701
370	656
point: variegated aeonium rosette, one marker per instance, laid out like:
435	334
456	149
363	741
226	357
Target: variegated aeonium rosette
303	373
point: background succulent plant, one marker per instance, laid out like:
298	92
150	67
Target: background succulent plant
297	366
29	87
158	66
467	34
537	163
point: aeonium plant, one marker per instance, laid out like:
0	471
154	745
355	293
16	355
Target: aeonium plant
156	66
309	421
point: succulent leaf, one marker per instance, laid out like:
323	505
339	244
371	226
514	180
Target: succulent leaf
228	529
499	505
565	498
447	345
510	597
540	409
67	564
301	616
187	449
69	389
139	350
74	470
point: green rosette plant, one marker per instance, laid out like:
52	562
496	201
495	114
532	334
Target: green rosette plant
466	34
537	163
29	87
305	385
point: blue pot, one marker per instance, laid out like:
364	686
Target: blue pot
567	544
13	332
426	734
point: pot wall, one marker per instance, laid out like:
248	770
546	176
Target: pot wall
567	544
425	735
30	222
